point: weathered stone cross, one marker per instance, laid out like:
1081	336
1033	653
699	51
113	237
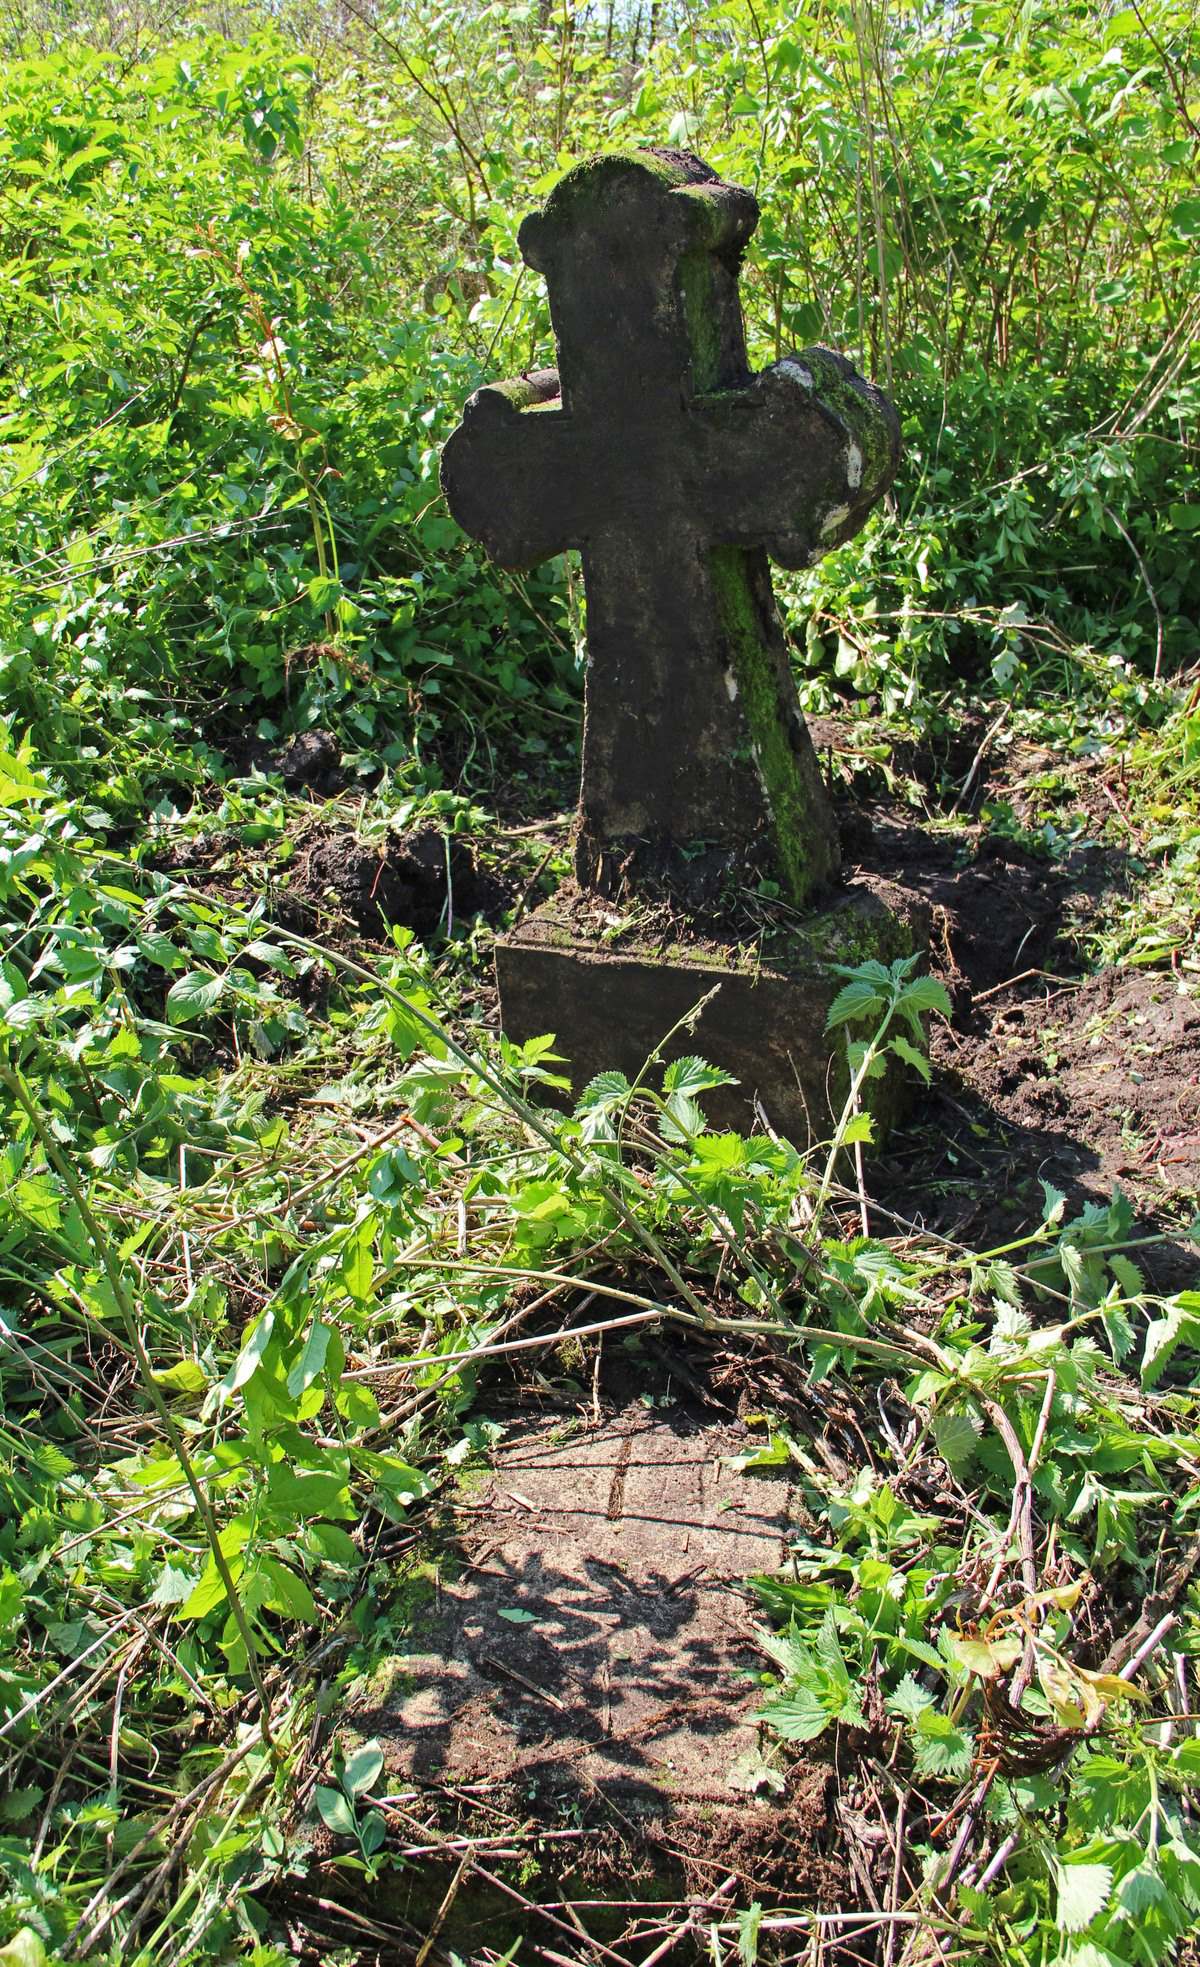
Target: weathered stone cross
675	471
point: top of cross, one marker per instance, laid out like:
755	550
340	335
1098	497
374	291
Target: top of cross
656	451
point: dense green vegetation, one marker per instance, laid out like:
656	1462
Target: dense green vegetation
252	267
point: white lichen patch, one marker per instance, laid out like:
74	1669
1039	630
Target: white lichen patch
731	685
833	520
854	465
797	371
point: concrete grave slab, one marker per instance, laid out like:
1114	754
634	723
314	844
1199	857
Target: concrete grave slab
599	1635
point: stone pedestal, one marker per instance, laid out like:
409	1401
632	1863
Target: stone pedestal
612	1003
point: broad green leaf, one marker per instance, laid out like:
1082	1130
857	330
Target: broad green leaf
336	1813
358	1264
186	1376
193	995
1083	1893
856	1000
210	1592
363	1769
909	1699
311	1362
1185	218
926	994
602	1091
909	1053
174	1586
798	1716
941	1747
290	1596
297	1495
693	1075
25	1949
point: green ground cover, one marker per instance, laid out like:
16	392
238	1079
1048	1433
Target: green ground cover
259	1144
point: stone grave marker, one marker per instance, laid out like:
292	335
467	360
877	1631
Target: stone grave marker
676	472
586	1670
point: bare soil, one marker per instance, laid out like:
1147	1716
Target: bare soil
345	889
1049	1071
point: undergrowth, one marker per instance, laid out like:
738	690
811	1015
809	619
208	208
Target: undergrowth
277	1204
257	1263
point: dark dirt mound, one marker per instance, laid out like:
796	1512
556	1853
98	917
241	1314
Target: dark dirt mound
336	883
312	760
1047	1072
998	908
1089	1085
422	881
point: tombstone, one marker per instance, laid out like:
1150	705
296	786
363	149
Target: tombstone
706	849
585	1673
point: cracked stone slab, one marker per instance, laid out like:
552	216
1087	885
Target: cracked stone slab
600	1631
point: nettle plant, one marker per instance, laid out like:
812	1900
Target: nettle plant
1048	1813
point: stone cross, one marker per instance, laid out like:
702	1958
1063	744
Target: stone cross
675	471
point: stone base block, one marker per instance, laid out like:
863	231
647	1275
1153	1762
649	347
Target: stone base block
611	1005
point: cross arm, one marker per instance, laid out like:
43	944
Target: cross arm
507	471
795	460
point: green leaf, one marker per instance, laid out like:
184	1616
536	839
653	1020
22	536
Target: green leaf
336	1813
748	1925
1127	1274
25	1949
602	1091
909	1053
396	1478
250	1357
860	1128
693	1075
334	1545
925	994
1185	218
957	1439
855	1000
1163	1336
1083	1892
193	995
298	1495
289	1595
210	1592
909	1700
358	1264
941	1747
174	1586
186	1376
517	1615
311	1362
799	1716
363	1769
372	1832
324	592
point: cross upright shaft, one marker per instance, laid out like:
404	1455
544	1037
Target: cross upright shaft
675	471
